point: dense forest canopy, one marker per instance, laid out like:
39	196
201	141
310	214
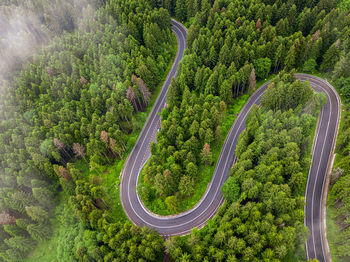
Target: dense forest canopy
183	144
232	43
76	100
262	218
94	68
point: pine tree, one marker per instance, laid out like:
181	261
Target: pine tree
186	186
20	243
39	232
44	197
37	213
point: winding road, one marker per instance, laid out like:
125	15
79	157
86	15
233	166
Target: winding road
206	208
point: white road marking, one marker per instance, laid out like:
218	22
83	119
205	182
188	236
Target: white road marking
315	80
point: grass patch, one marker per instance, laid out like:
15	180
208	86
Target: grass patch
47	250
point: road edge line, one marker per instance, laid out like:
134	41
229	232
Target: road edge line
328	254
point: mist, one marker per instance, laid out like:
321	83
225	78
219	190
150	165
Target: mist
29	26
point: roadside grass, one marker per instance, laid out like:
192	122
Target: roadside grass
110	174
332	232
332	228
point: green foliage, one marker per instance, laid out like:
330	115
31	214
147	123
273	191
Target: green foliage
340	187
262	67
230	190
39	232
78	99
205	172
310	66
264	212
37	213
344	5
182	149
172	203
22	244
285	93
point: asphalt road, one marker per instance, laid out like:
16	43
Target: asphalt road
212	199
322	152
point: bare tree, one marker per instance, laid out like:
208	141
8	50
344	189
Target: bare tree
131	96
104	136
336	174
64	173
316	35
49	71
258	24
337	43
7	219
61	146
114	147
83	81
144	91
133	79
252	80
79	151
206	154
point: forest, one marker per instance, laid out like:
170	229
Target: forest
71	109
187	132
76	100
262	218
267	37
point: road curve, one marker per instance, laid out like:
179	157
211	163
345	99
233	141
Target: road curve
324	143
210	202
